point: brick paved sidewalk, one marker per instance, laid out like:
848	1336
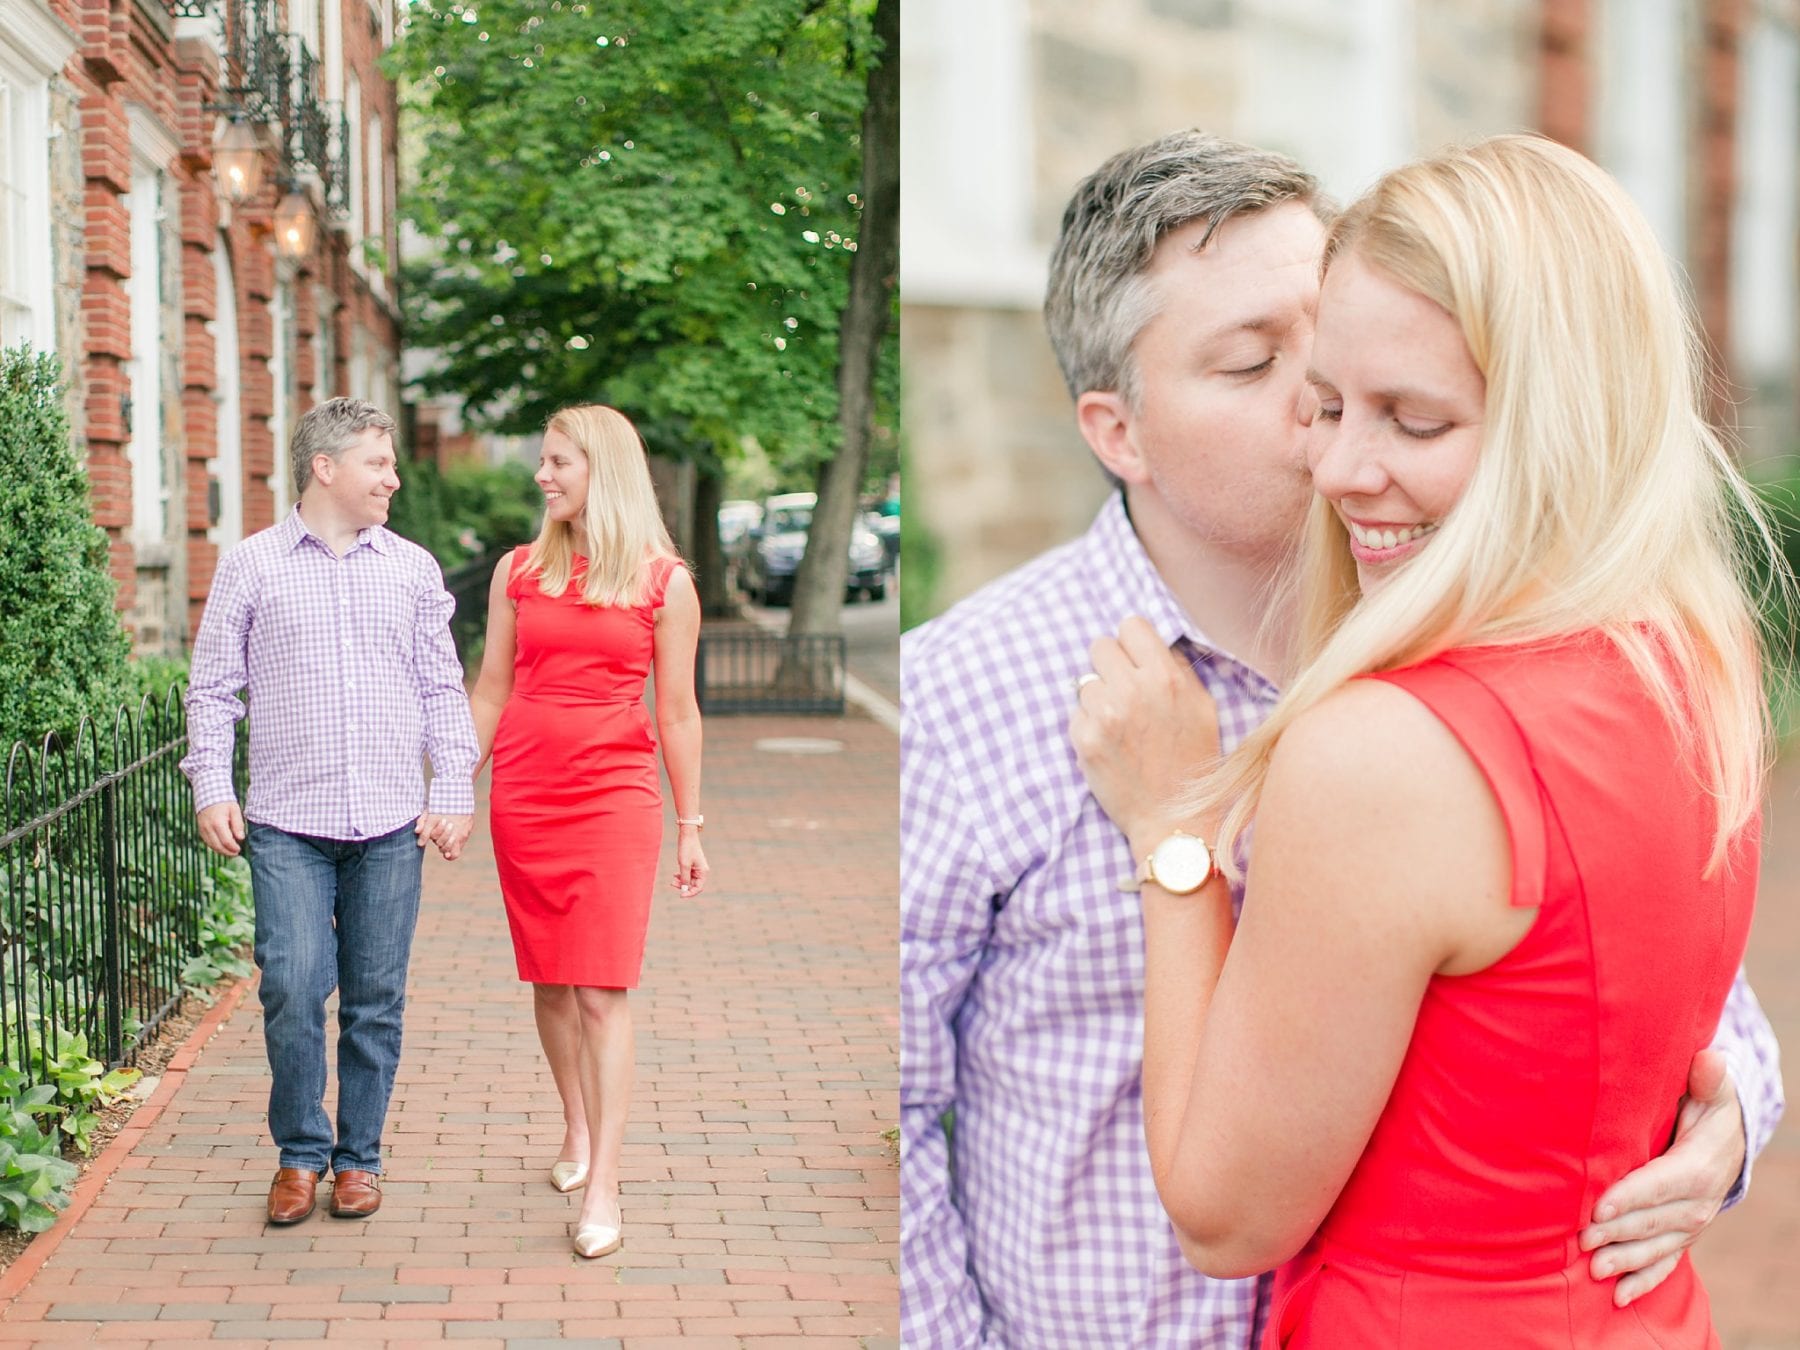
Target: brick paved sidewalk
1750	1260
760	1194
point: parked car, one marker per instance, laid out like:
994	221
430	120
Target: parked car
736	519
774	548
886	527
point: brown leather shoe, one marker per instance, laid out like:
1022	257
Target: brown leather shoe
355	1195
292	1195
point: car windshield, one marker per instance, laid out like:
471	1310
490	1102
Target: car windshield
785	519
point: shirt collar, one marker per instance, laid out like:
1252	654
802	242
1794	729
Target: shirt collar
1126	582
295	528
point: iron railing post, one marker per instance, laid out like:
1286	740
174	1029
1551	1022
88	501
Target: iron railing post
112	1010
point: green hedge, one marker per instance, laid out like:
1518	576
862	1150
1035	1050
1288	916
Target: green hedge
462	512
1778	486
62	647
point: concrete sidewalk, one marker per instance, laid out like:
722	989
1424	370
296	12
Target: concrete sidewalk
760	1192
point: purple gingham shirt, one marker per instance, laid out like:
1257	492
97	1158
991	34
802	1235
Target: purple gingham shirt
1021	979
352	678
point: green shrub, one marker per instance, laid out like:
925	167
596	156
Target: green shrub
1778	487
463	512
53	1101
153	675
918	565
227	925
79	1084
62	647
35	1180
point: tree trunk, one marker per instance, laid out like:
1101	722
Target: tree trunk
709	555
819	583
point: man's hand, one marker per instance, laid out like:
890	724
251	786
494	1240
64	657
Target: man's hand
1647	1219
449	833
221	827
1143	731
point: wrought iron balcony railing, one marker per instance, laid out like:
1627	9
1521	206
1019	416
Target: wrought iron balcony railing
255	59
272	77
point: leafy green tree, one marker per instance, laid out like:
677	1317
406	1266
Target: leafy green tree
652	203
467	509
62	647
874	278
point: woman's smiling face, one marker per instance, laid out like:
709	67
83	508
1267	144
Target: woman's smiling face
1396	414
562	475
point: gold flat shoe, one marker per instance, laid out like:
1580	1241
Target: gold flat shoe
597	1239
569	1176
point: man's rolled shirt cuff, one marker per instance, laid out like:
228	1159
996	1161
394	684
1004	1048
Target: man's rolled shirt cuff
1741	1187
451	798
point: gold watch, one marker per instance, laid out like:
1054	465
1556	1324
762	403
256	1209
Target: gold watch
1181	864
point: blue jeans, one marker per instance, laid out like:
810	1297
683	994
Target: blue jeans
333	914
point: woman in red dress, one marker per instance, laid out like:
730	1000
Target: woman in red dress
1507	817
576	623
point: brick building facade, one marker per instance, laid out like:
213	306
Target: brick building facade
190	341
1693	104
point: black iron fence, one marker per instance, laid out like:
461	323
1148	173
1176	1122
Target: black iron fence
745	670
102	886
736	670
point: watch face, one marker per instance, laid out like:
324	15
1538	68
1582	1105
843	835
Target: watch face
1181	864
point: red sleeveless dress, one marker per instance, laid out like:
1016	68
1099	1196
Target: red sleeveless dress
1532	1086
576	802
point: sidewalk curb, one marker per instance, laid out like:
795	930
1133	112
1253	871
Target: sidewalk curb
21	1272
872	703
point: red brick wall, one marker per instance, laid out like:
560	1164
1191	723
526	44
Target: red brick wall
128	57
1566	79
1714	178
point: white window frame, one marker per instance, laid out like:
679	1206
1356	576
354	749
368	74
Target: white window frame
1642	129
1363	52
359	363
153	149
303	19
227	463
356	224
332	55
1765	289
34	46
376	159
324	342
281	382
966	155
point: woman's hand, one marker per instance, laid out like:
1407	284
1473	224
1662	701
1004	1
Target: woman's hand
690	862
1144	729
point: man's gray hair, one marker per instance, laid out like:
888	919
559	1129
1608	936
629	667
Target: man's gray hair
1099	298
329	428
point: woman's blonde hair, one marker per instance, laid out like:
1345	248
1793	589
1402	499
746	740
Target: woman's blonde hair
1600	498
624	524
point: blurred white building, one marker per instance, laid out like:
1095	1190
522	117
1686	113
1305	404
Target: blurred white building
1693	104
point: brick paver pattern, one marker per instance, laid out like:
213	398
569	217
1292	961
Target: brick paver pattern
760	1189
1750	1259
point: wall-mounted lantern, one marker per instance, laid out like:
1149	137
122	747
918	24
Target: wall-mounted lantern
238	161
295	224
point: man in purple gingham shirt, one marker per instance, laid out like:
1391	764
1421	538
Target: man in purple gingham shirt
338	631
1033	1220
